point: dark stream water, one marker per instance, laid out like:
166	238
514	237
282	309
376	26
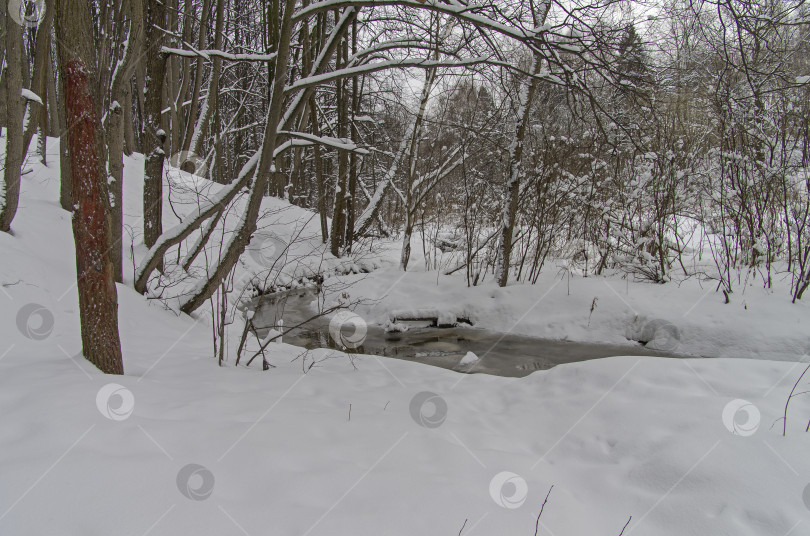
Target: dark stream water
499	354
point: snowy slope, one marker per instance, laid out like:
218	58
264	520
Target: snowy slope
381	447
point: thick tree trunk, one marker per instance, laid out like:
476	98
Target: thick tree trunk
98	299
10	194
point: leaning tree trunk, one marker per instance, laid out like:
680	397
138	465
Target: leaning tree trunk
98	298
10	193
244	232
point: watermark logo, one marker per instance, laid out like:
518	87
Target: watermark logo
508	490
27	13
115	402
428	409
741	417
266	250
195	482
348	329
35	321
806	496
188	162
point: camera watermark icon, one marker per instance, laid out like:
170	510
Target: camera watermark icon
267	249
115	402
742	427
27	13
188	162
508	490
35	321
195	482
343	337
428	409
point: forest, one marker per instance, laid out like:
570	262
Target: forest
566	240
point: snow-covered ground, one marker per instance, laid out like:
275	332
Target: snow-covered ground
181	446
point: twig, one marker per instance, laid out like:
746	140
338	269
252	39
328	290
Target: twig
462	527
625	525
268	341
787	402
537	525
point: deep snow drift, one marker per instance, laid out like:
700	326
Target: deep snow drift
181	446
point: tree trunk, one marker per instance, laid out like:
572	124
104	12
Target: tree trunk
413	149
10	194
510	203
65	177
54	126
98	298
243	233
119	99
42	56
338	234
199	70
154	137
211	99
319	178
3	64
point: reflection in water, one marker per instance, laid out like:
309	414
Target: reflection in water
499	354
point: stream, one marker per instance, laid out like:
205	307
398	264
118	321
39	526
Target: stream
499	354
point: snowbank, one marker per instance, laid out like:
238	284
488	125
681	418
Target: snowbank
181	446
